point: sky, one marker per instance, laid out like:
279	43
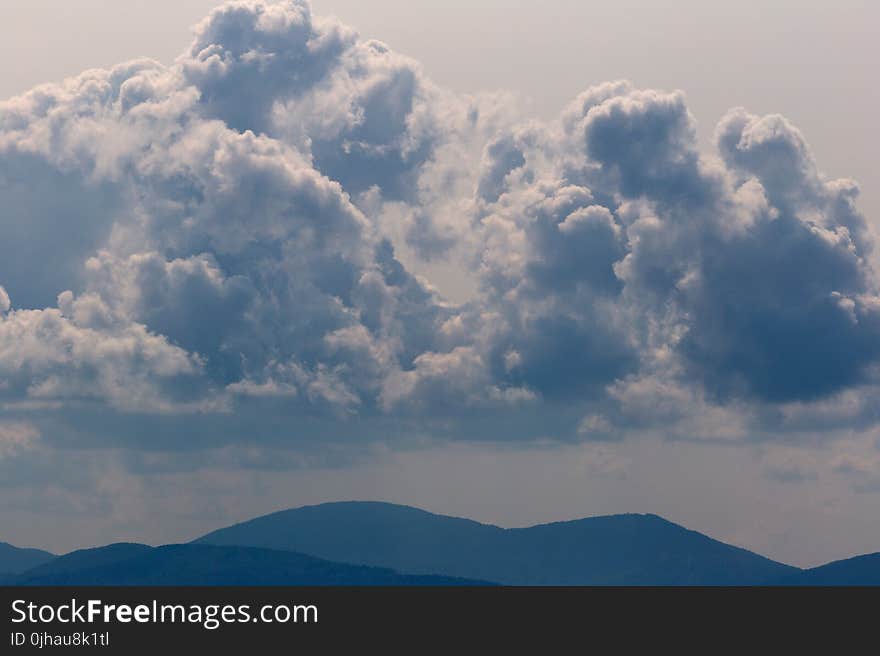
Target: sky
508	261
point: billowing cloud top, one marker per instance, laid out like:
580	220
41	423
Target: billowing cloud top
224	249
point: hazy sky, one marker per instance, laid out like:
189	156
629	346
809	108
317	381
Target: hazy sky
197	326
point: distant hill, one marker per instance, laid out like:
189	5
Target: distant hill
190	564
86	559
372	543
14	560
613	550
861	570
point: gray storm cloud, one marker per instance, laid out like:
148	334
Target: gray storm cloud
221	237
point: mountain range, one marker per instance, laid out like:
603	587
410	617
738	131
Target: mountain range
14	560
198	564
372	543
613	550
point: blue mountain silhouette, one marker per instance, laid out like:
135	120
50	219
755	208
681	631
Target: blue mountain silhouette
614	550
14	560
860	570
75	562
193	564
372	543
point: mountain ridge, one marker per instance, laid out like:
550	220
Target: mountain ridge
627	549
209	565
14	560
863	570
379	543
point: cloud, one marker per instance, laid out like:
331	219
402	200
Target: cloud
248	55
80	353
239	241
16	437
